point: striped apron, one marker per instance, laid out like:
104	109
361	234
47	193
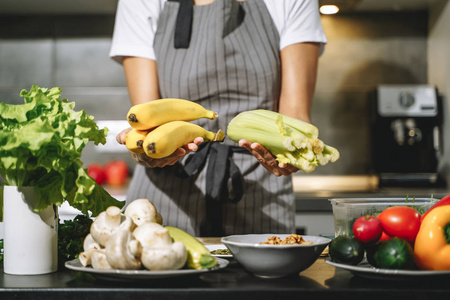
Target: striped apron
228	62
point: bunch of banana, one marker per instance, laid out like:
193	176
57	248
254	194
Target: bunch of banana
161	126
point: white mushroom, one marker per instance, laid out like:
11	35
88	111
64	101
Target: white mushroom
159	252
171	257
99	261
85	257
142	211
159	218
109	222
96	258
152	234
122	252
90	243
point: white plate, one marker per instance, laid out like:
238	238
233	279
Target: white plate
364	269
218	247
140	274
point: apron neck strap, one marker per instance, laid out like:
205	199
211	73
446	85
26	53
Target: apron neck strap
183	26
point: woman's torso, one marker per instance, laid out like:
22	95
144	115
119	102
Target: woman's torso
232	64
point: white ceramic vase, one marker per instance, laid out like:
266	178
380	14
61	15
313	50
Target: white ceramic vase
30	238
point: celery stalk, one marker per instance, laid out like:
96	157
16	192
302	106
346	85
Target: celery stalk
245	120
317	146
333	152
304	127
272	141
294	158
322	159
301	163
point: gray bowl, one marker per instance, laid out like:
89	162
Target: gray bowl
274	261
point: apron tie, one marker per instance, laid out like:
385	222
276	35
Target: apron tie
183	26
221	168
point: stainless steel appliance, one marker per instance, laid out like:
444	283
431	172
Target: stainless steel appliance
406	134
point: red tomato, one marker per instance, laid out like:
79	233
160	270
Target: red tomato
116	172
400	221
367	229
384	236
97	172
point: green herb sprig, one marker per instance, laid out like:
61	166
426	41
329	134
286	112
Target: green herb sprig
71	235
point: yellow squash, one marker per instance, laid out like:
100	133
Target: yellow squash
199	256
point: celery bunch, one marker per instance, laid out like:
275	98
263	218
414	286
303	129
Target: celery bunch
292	141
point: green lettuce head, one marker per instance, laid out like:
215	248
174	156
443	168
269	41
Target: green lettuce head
41	142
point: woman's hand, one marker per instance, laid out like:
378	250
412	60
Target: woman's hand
267	159
143	159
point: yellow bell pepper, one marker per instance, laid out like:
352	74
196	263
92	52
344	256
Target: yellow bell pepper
432	244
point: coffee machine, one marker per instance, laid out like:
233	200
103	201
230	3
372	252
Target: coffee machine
406	135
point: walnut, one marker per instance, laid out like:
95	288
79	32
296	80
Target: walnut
293	239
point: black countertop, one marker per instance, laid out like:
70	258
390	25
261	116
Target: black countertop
233	282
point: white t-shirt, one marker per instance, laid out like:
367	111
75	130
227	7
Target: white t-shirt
297	21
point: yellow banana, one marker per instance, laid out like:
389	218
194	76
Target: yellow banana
157	112
135	139
165	139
